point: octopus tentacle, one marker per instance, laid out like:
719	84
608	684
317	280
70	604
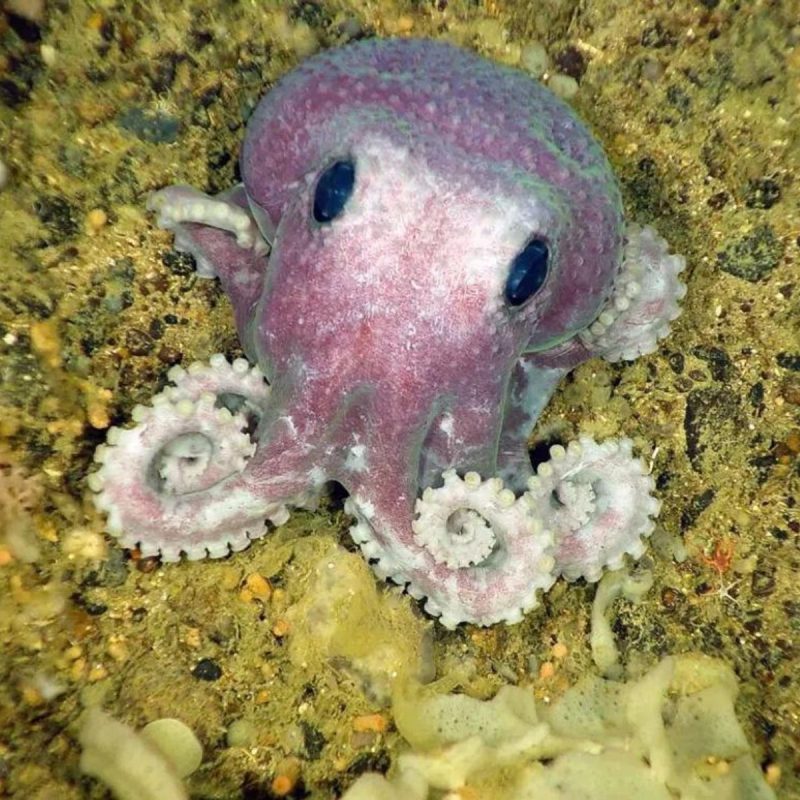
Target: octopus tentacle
177	205
225	236
643	302
457	523
597	499
174	483
478	554
169	484
530	389
237	385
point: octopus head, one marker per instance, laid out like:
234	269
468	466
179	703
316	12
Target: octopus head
393	240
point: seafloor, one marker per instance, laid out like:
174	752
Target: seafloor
100	103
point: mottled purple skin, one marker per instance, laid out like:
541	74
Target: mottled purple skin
360	353
391	352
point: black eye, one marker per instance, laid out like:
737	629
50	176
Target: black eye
334	188
527	273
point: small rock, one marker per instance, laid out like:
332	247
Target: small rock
762	193
718	361
178	263
170	355
49	55
677	362
789	361
138	342
718	200
207	670
150	126
571	62
58	216
313	740
695	507
753	256
654	35
534	59
790	390
177	743
241	733
564	86
763	582
712	423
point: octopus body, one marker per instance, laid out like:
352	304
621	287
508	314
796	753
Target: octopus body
423	245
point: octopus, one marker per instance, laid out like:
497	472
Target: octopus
423	244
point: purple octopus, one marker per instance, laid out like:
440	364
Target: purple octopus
424	243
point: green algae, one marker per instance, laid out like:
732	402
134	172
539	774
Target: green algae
696	105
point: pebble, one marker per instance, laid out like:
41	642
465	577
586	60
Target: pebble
763	582
790	361
96	219
534	59
150	126
138	342
571	62
207	670
49	55
376	723
564	86
772	774
86	544
170	355
177	742
258	586
287	775
752	256
4	174
762	193
241	733
559	651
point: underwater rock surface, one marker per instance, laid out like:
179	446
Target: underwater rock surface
696	108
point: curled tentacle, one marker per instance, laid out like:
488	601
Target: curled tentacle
171	484
456	524
479	553
237	385
644	299
177	205
597	500
192	461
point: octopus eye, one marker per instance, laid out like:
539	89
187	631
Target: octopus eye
527	273
334	188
